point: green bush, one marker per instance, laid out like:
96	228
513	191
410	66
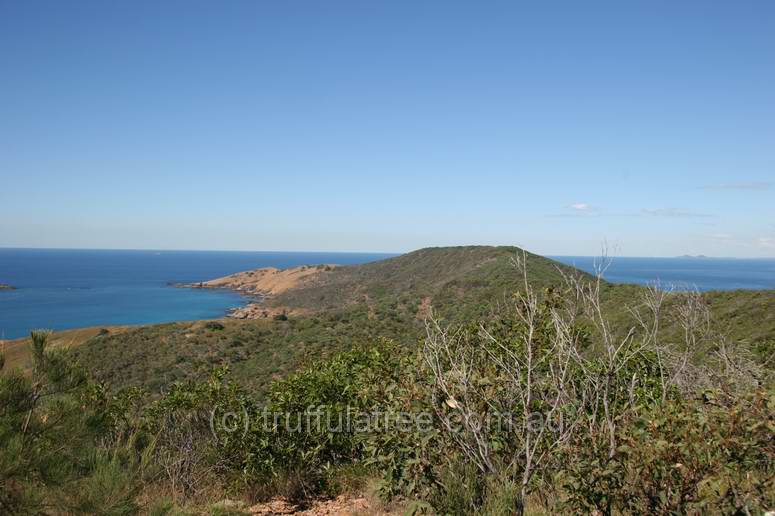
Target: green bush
683	456
336	390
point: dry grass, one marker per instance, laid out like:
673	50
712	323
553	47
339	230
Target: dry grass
17	351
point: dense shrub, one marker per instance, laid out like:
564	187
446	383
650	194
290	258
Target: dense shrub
314	413
682	456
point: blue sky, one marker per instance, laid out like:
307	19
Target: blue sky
389	126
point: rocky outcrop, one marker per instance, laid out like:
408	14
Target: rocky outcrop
269	280
261	311
263	284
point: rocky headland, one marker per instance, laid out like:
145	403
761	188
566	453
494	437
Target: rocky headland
264	283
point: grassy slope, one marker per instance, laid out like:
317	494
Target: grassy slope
358	304
17	354
258	351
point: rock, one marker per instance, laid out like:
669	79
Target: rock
276	506
341	505
230	504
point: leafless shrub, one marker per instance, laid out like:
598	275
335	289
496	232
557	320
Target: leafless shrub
478	375
734	367
183	453
543	365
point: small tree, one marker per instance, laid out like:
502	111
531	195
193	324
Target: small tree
506	392
49	429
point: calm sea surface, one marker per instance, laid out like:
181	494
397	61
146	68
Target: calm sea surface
700	273
62	289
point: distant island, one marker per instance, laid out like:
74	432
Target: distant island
3	286
691	256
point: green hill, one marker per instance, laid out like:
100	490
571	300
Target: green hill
354	305
457	281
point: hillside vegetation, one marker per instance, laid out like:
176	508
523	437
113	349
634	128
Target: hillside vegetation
346	307
457	281
481	381
356	304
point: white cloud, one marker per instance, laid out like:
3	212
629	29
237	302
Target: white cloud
580	206
721	236
577	209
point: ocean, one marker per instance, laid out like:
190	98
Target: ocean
696	273
61	288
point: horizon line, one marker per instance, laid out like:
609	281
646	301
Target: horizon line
392	253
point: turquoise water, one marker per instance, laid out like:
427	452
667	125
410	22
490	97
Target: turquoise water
700	273
62	289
